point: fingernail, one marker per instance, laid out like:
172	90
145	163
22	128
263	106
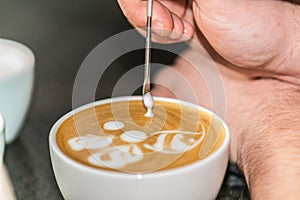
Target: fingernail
187	32
195	7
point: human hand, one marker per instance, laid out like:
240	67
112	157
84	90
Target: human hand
255	45
257	60
238	31
172	20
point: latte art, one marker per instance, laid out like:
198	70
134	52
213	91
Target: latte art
117	136
181	141
89	142
109	155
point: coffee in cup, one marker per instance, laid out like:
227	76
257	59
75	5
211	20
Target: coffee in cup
118	136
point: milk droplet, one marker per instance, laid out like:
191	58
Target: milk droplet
149	103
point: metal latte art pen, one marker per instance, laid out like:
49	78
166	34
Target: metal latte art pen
147	97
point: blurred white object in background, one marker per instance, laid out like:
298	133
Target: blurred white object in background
16	83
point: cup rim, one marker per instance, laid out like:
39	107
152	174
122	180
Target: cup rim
54	146
24	49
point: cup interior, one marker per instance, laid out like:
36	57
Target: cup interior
215	152
14	58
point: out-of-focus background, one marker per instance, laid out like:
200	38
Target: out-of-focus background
62	33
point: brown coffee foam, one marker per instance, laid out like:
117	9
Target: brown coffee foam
168	116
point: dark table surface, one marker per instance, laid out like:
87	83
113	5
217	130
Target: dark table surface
62	33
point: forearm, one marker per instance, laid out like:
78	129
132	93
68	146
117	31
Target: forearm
268	149
271	164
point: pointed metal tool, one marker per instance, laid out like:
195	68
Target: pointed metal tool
146	85
147	97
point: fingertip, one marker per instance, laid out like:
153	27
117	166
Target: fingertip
177	29
174	29
188	31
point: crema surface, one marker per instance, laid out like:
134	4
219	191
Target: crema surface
118	136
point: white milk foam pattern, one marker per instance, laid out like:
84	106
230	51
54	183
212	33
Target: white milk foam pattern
149	103
123	155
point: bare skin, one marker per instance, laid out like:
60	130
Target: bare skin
256	47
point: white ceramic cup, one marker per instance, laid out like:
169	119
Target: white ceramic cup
200	180
16	85
2	140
